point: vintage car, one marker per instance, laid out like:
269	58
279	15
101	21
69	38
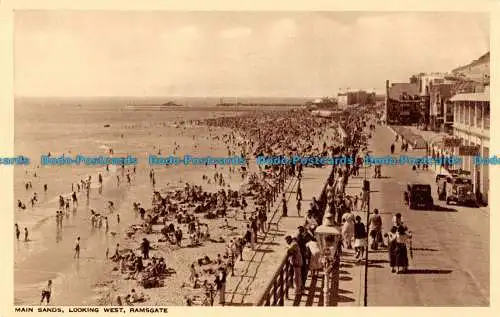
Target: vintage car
459	190
419	196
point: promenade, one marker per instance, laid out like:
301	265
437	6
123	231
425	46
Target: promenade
253	274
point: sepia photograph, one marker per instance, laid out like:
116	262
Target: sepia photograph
250	158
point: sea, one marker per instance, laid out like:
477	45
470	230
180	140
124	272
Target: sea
91	127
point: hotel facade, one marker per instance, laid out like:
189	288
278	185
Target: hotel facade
472	126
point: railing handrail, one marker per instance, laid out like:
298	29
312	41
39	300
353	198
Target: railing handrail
271	283
266	292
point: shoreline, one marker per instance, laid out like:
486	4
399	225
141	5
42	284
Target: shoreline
102	289
97	202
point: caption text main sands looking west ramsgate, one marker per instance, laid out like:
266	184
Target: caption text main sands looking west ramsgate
123	310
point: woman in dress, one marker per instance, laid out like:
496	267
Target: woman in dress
315	257
392	246
402	238
359	238
347	229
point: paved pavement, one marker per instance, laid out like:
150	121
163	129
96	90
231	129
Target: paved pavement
451	247
254	273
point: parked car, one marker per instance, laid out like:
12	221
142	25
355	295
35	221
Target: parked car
419	196
460	191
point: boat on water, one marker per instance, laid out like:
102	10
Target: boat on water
165	106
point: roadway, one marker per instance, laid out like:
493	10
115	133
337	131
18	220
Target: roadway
451	244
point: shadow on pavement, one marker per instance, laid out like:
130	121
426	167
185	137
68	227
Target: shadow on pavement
378	251
425	249
270	243
344	291
275	234
443	209
344	299
264	251
427	271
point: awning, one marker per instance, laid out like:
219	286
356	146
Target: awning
478	96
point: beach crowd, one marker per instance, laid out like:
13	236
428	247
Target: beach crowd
190	216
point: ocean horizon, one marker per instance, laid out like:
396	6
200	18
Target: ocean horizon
186	101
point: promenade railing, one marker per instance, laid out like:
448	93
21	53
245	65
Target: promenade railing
277	290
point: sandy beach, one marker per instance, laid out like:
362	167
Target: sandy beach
91	279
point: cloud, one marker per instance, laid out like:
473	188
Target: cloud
235	33
269	54
284	28
183	34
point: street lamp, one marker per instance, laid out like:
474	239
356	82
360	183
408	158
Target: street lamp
328	237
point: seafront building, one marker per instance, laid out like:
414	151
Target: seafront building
471	120
353	98
456	103
472	126
403	104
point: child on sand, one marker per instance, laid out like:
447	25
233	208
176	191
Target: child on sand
46	292
77	249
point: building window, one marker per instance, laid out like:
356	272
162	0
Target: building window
486	114
467	113
479	114
472	113
462	112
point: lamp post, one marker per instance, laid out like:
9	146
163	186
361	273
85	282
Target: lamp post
366	193
366	189
328	237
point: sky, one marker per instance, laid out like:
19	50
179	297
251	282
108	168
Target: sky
273	54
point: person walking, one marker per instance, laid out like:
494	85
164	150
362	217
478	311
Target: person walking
285	207
359	239
348	229
18	232
364	200
295	258
392	148
391	247
221	285
402	239
398	222
299	192
303	237
375	229
249	237
255	229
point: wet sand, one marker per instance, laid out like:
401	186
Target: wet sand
76	281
